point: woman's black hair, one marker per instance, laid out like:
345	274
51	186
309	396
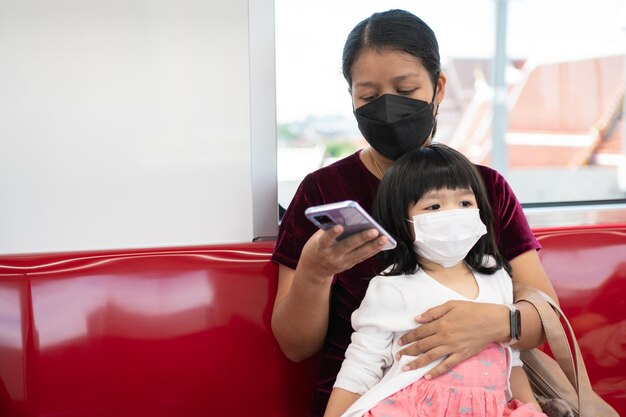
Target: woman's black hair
395	30
433	167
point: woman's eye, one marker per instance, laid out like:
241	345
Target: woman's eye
466	204
369	98
407	92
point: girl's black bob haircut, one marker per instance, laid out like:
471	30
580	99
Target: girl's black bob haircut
432	167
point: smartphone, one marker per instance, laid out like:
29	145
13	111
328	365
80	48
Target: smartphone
350	215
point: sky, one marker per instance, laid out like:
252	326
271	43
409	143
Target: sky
310	37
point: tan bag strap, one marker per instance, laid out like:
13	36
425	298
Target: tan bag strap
555	333
557	329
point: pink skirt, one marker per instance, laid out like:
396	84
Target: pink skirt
475	387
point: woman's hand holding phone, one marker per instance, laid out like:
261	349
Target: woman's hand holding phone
323	255
348	235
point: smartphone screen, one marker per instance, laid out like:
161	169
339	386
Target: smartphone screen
350	215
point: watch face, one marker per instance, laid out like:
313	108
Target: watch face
516	325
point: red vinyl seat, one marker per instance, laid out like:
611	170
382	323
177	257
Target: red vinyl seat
186	331
181	332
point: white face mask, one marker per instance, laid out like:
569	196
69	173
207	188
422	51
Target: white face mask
446	237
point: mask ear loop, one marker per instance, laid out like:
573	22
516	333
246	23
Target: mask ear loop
433	130
432	100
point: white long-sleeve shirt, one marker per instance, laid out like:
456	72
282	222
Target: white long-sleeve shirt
386	313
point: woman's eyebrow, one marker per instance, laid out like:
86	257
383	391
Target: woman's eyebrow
399	78
365	84
404	77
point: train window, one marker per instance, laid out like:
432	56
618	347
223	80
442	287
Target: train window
564	77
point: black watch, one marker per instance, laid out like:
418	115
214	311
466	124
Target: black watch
515	323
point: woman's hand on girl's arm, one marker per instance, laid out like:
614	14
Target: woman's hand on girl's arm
456	329
460	329
340	400
300	315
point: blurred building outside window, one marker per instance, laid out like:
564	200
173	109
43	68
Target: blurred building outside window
565	76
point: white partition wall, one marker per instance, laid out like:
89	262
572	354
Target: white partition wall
127	123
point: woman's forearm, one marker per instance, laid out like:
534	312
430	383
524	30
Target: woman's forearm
300	316
527	269
532	329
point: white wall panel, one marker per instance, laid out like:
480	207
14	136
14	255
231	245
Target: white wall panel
125	123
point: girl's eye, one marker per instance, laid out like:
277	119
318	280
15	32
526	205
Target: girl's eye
433	207
466	204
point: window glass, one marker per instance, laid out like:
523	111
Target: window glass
565	75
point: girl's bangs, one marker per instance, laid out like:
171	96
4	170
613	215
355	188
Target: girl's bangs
435	171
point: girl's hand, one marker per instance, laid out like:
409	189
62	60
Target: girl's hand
456	329
323	256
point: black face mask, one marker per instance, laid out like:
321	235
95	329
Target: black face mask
394	125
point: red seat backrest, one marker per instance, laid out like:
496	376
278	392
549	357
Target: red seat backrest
587	266
186	331
155	333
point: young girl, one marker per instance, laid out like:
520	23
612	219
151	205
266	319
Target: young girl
433	201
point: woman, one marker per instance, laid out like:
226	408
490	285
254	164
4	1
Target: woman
392	65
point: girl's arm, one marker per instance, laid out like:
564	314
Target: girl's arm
460	329
300	315
520	387
340	400
370	351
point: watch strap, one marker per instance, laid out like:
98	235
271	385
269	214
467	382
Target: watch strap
515	324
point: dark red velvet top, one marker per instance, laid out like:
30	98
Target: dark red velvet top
349	179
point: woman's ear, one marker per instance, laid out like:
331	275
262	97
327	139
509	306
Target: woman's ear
441	87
